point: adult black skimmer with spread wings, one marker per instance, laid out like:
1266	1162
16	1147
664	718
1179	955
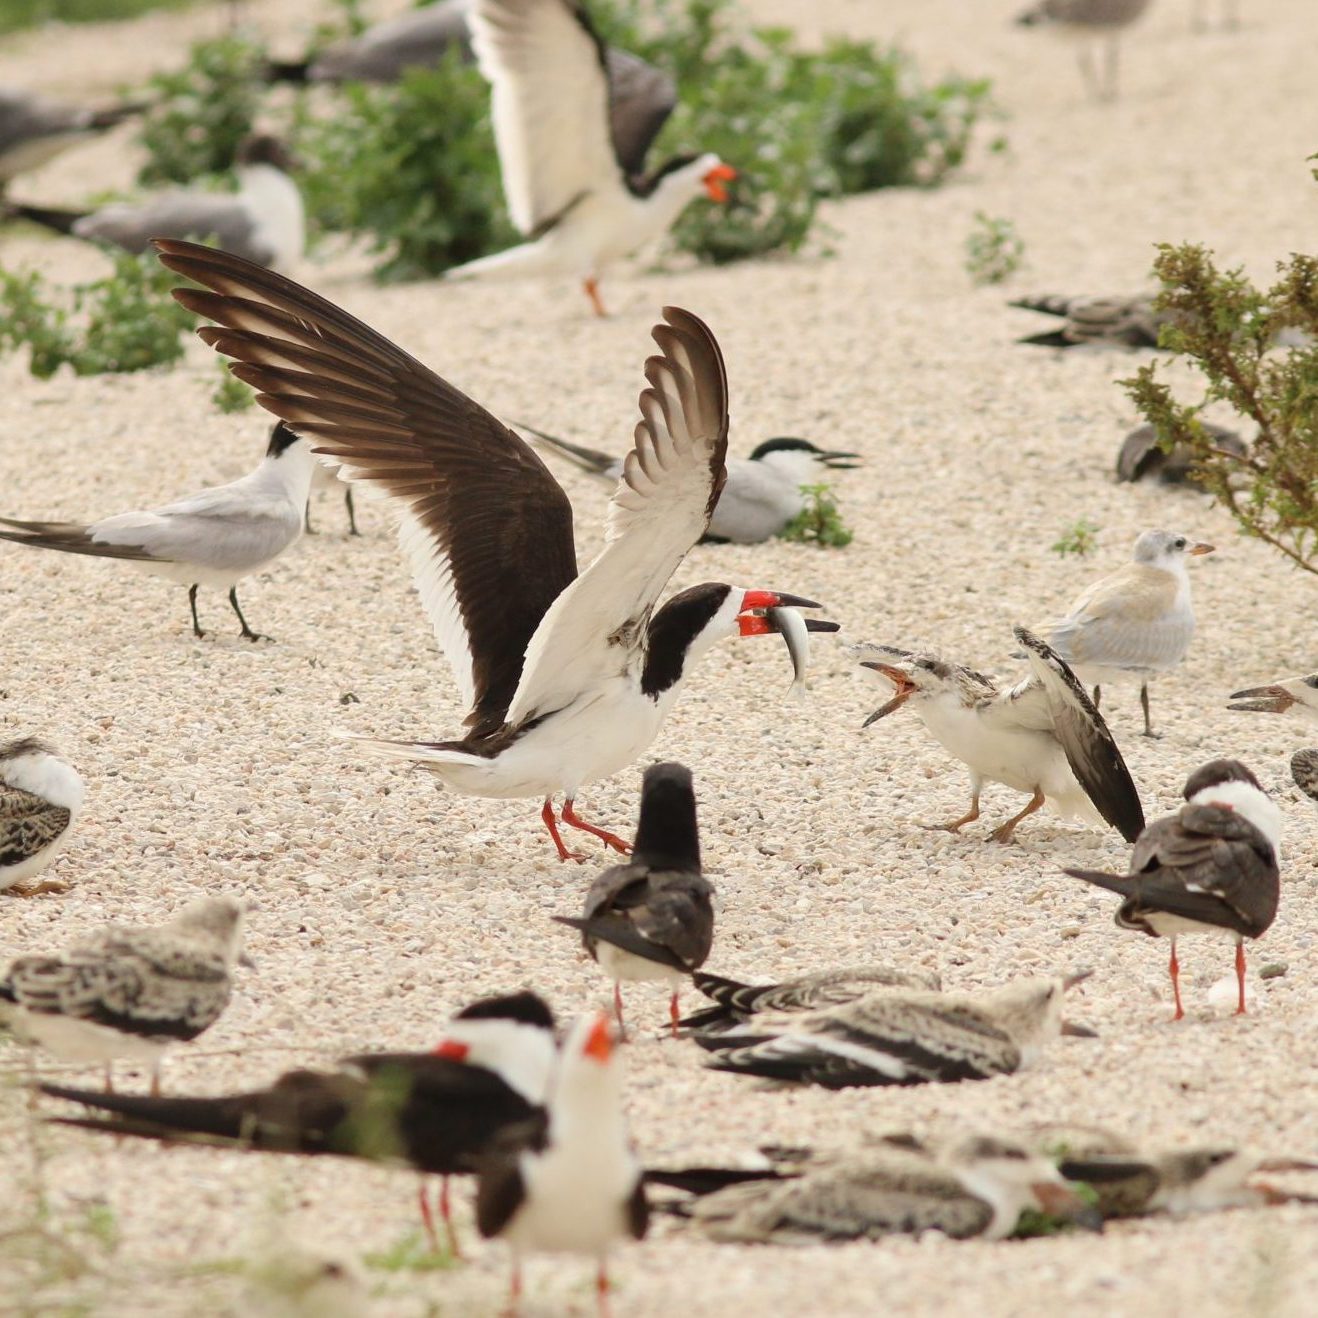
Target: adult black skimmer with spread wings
574	187
568	677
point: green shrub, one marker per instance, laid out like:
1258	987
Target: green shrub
16	14
818	522
231	394
994	249
1079	539
1230	332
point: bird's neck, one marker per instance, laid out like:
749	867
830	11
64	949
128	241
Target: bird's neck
276	200
288	473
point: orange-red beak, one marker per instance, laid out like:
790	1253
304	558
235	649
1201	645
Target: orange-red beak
714	181
451	1049
756	624
905	689
600	1041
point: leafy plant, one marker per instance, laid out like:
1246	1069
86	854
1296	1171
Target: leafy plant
124	322
231	394
1036	1222
16	14
994	249
818	522
1230	332
1079	539
409	1253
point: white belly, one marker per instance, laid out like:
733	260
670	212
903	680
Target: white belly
627	967
575	1203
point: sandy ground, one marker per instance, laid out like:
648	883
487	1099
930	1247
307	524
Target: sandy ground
382	905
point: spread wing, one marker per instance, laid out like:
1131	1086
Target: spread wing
550	105
670	483
485	527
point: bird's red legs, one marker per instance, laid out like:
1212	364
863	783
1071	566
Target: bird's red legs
1004	831
445	1212
592	288
617	1002
514	1290
427	1217
673	1014
1174	969
956	825
109	1078
570	816
1240	978
547	814
602	1291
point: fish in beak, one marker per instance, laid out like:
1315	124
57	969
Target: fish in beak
764	612
905	689
1262	700
714	181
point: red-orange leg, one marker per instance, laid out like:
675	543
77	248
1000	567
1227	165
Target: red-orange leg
570	816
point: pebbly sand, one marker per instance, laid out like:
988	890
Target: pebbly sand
381	905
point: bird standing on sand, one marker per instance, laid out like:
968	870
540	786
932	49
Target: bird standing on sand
580	202
215	538
1043	735
1089	21
653	918
1136	622
1211	868
568	677
40	797
129	991
570	1182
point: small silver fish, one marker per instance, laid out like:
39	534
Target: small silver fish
797	635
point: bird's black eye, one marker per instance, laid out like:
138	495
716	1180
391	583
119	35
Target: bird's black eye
1180	542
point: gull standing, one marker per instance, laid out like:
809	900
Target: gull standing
1089	21
1043	735
569	1182
129	991
653	918
434	1112
1137	622
40	797
568	677
35	129
264	221
900	1038
1211	868
215	538
762	494
581	202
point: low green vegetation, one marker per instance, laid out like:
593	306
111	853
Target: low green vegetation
994	250
1256	349
819	522
410	1253
231	394
16	14
1078	539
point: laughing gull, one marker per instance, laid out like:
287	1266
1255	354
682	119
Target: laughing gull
1089	21
762	494
263	221
434	1112
569	1183
1211	868
40	797
35	129
215	538
1287	693
1143	458
896	1037
568	677
129	991
974	1187
653	918
1135	622
1129	322
579	200
1042	735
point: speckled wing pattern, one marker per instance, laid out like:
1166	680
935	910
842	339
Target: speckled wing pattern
1304	770
28	825
1120	321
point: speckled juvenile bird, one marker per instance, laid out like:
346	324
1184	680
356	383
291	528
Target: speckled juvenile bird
1089	22
1212	867
40	797
653	917
1134	623
1304	771
1142	458
1087	321
129	991
1042	735
901	1038
1280	697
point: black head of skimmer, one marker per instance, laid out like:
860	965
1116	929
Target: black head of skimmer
568	677
653	918
1043	735
1211	868
581	201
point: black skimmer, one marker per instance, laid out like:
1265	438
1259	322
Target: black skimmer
434	1112
1287	693
1143	458
895	1037
1134	623
215	538
735	1003
129	991
569	1183
1043	735
762	494
653	918
263	221
1088	22
1128	322
40	797
568	677
34	129
1211	868
976	1186
579	199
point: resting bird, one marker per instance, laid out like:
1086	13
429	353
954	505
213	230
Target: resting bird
40	797
581	202
1129	322
1143	458
1212	867
35	129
